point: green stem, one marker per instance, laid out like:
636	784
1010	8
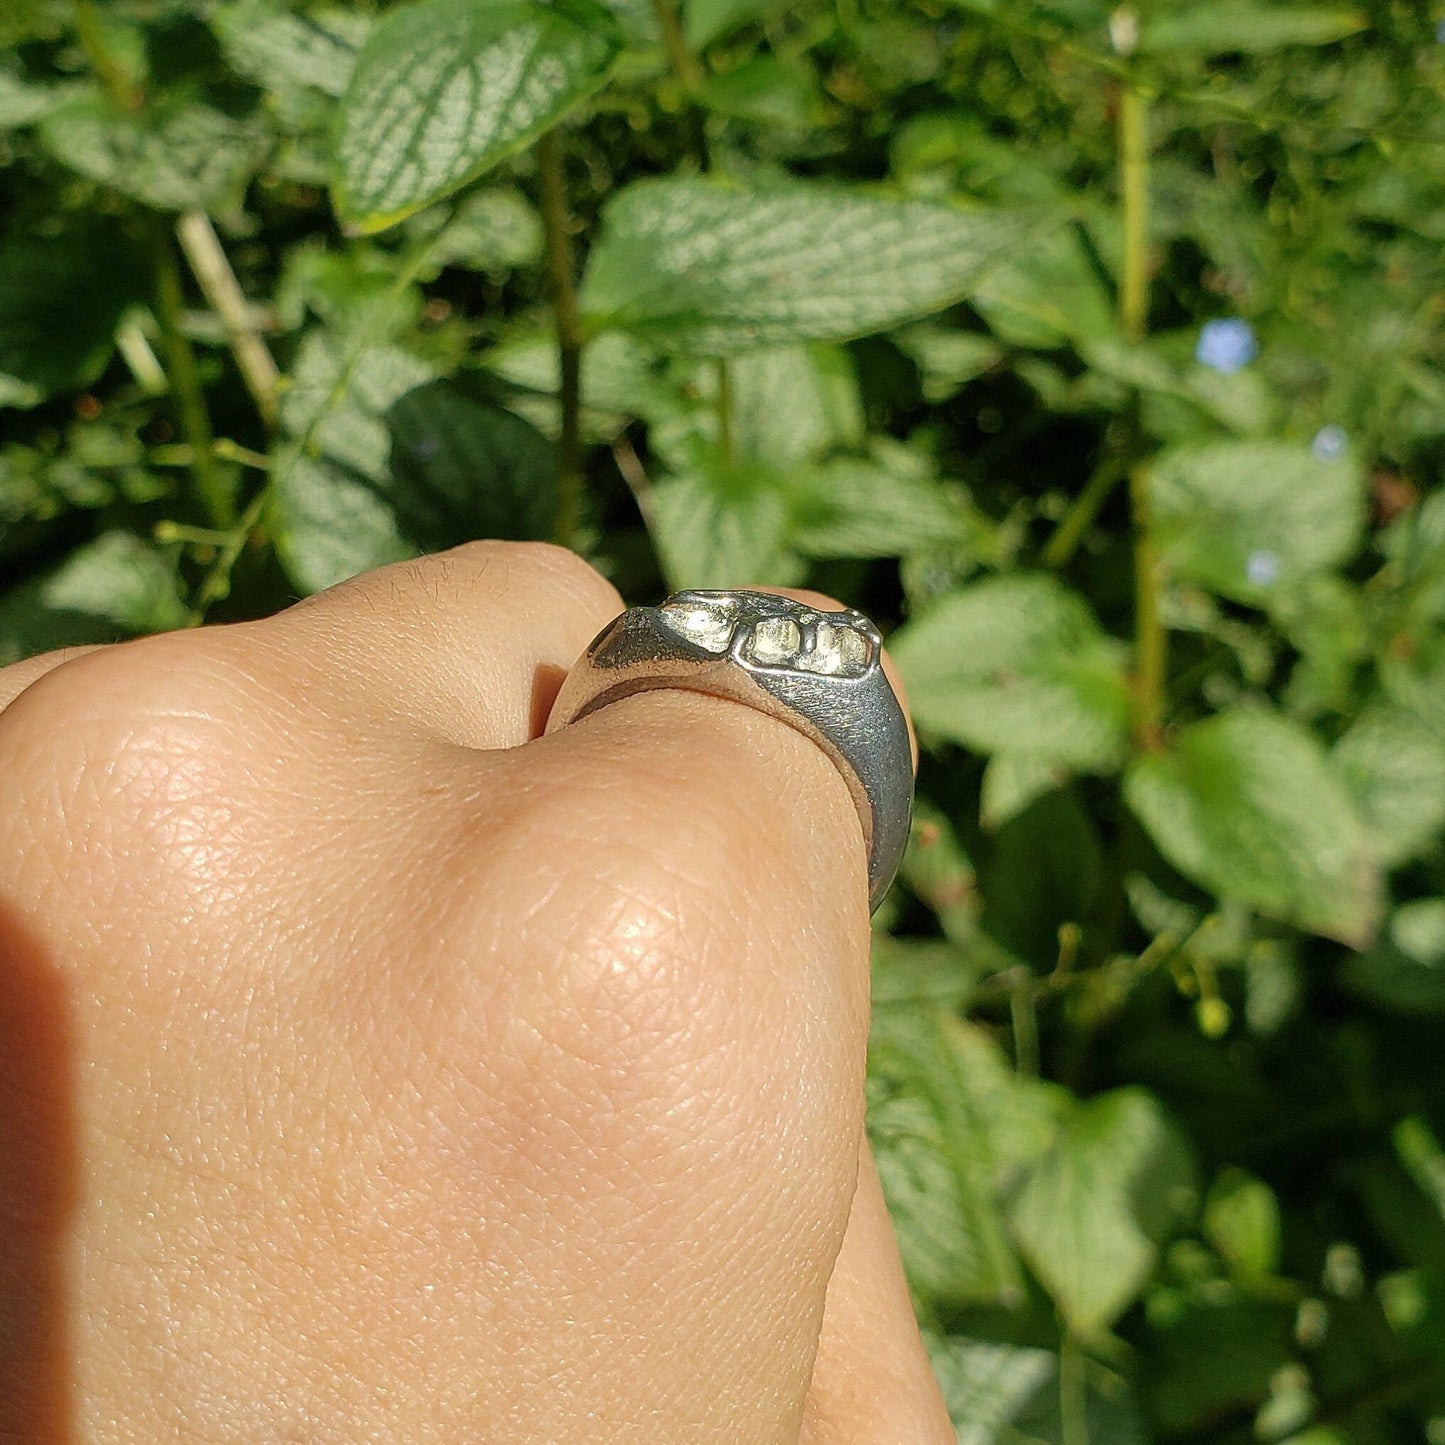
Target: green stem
557	225
724	412
1023	1017
1073	1409
103	65
1151	654
217	583
679	57
1085	507
1151	642
684	65
1134	190
191	410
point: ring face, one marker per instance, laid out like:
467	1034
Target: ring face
816	669
759	630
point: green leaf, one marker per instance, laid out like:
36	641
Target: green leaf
1046	295
951	1127
1017	664
445	89
712	268
1247	805
766	90
947	359
22	104
722	527
333	516
793	404
1091	1216
61	298
462	468
494	229
1241	1221
704	21
987	1386
1250	519
1219	29
175	156
111	588
1395	767
315	48
1405	972
1014	780
859	507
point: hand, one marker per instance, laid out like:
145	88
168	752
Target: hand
372	1068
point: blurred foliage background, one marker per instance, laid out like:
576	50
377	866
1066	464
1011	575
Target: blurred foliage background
1095	350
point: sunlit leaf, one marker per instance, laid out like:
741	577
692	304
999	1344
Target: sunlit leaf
1017	664
1248	519
1091	1216
106	590
175	157
1218	29
1247	804
445	89
713	268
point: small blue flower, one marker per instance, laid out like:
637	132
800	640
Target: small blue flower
1330	443
1440	32
1262	568
1226	345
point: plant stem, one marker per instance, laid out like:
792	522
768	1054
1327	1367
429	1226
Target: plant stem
217	582
1134	190
195	420
1059	551
1073	1410
558	234
1151	655
679	57
724	412
223	293
1023	1016
103	65
684	65
1151	643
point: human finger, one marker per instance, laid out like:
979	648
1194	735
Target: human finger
702	981
872	1382
469	645
19	675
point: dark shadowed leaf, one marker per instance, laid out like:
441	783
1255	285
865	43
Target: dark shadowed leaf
60	301
462	468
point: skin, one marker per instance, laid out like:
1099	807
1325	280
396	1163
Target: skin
375	1069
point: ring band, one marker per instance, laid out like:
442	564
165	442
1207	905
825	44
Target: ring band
819	671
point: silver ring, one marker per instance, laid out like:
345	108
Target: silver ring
816	670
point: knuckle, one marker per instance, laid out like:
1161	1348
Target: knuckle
124	733
560	569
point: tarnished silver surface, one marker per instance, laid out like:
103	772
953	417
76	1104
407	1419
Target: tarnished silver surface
818	671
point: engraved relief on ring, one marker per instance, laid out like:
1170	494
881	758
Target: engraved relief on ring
761	631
